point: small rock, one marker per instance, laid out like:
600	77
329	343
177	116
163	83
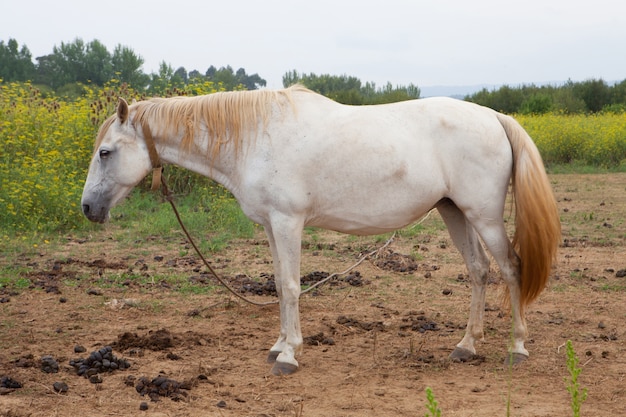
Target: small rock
143	406
79	349
60	387
446	292
221	404
621	273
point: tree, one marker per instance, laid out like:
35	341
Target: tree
16	64
127	67
537	103
231	80
181	74
98	64
251	82
349	90
618	93
165	79
76	62
595	94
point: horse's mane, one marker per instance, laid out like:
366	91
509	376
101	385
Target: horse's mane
224	116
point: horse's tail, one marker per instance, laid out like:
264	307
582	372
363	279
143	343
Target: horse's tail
537	224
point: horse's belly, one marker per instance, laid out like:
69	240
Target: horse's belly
376	214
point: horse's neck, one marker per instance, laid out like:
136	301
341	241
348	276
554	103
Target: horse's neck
221	168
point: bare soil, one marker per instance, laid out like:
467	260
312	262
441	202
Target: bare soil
375	338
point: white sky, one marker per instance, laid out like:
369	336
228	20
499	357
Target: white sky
424	42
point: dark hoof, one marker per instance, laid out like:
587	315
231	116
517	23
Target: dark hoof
271	358
514	359
282	368
461	355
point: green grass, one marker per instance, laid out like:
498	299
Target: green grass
11	277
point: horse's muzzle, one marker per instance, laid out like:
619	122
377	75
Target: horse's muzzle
97	216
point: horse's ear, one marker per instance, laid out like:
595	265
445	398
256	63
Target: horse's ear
122	110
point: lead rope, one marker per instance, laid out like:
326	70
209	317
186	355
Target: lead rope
170	198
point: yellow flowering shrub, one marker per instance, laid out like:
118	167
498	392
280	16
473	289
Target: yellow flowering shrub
595	140
45	149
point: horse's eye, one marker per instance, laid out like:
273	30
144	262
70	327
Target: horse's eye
104	153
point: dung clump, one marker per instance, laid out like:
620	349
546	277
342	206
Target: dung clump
162	387
99	361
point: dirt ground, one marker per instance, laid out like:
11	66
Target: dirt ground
375	338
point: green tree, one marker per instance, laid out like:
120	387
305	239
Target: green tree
181	74
595	93
566	101
250	82
349	90
166	79
618	93
127	67
537	103
231	80
76	62
98	66
16	64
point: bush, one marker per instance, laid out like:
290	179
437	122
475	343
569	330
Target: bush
46	143
598	139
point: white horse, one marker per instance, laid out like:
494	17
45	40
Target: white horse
293	158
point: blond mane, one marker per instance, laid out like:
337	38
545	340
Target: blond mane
225	117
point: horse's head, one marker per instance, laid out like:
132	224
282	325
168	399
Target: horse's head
120	161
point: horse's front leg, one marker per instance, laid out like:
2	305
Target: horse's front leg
285	244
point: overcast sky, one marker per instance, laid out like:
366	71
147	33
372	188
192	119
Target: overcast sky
435	42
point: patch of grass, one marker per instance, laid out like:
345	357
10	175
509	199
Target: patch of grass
210	214
612	288
578	167
11	277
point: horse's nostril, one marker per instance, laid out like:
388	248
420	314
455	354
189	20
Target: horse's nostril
85	209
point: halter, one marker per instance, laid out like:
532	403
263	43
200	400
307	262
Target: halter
157	167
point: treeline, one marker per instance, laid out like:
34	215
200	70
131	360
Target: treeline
349	90
590	96
75	63
72	65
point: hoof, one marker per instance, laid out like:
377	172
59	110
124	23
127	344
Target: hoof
271	358
283	368
514	358
461	355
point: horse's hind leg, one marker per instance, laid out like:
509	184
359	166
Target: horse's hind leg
466	240
494	236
